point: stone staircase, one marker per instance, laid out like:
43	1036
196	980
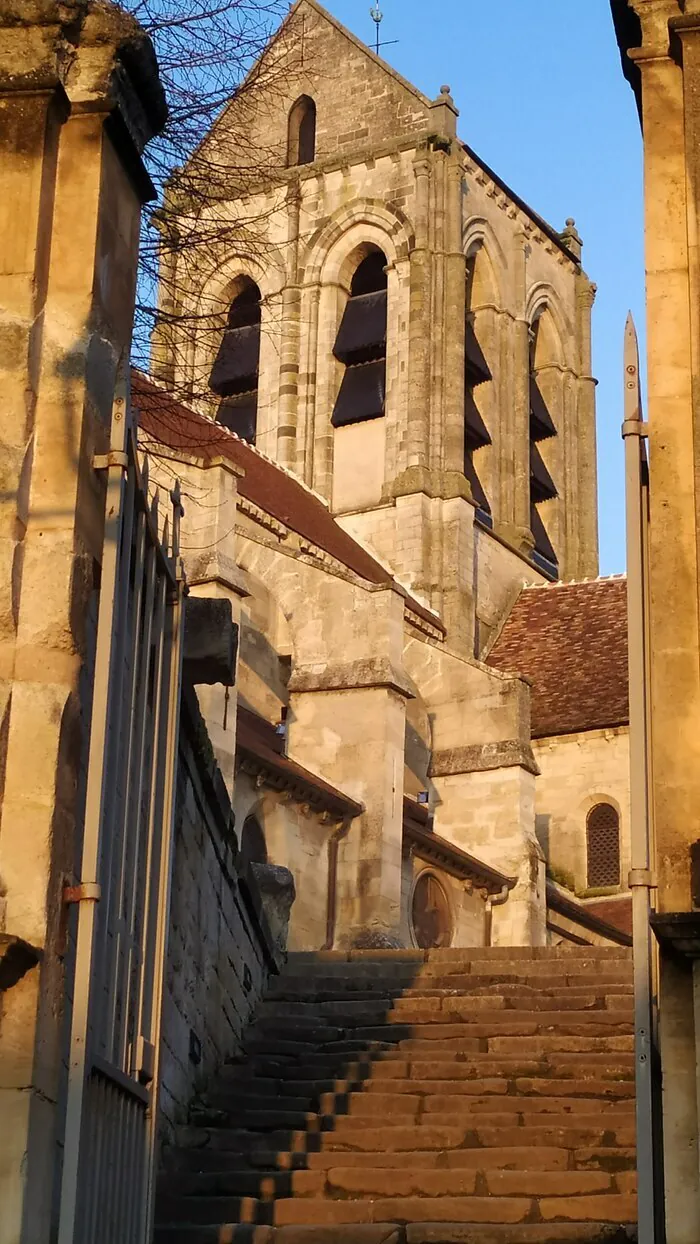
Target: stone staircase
448	1097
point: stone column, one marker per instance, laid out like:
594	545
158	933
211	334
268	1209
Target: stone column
67	285
289	361
583	486
670	154
415	456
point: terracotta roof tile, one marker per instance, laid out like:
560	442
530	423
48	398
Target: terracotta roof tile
570	641
265	484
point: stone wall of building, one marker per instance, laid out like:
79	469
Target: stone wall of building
220	948
578	771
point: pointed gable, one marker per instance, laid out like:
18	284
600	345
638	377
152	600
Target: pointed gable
359	98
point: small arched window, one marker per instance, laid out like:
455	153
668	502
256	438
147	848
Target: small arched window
361	345
234	376
603	846
253	846
301	132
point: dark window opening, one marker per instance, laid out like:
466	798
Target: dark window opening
603	846
234	376
361	345
253	848
301	132
476	434
542	486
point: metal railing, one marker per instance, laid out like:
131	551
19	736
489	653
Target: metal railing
123	891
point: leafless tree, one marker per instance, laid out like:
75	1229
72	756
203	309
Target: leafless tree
208	52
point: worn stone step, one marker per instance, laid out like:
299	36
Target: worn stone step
403	1210
235	1233
412	1180
525	1233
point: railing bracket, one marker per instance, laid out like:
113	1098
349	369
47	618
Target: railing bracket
115	458
89	892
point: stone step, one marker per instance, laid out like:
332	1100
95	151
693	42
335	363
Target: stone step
411	1179
588	1063
391	1233
299	989
592	1132
311	1017
607	1207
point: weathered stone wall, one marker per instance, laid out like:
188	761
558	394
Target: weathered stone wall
576	772
220	952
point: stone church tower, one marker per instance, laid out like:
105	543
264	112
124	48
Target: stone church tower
391	353
406	334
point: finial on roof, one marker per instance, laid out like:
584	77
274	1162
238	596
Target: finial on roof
445	114
571	237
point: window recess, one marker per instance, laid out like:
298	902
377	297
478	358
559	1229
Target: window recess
234	376
361	345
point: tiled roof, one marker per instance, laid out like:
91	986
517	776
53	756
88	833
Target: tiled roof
265	484
614	911
570	641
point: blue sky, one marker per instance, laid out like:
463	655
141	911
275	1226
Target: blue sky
543	101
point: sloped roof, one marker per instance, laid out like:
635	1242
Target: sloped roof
570	641
265	484
258	743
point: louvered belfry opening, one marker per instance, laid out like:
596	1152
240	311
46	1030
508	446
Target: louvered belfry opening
476	433
361	345
301	132
234	376
542	486
603	846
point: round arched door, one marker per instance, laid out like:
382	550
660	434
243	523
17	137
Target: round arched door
430	915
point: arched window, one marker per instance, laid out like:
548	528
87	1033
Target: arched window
542	486
361	345
603	846
234	375
476	372
253	848
301	132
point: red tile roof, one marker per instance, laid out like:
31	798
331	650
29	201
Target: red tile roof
265	484
614	911
570	641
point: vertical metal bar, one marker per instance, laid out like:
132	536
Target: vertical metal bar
135	827
171	733
650	1195
89	868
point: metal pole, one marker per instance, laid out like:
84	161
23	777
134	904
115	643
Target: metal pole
641	881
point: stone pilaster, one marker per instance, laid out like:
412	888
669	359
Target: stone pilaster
67	286
290	329
515	520
582	533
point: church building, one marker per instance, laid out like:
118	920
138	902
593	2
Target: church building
384	423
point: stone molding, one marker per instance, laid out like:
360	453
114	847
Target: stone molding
365	674
482	757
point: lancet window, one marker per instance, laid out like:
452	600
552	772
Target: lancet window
234	376
301	132
603	846
361	345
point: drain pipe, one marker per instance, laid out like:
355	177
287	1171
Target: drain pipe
494	900
333	851
641	879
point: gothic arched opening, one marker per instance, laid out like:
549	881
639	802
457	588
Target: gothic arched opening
603	846
542	428
301	132
361	344
234	376
253	848
476	372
